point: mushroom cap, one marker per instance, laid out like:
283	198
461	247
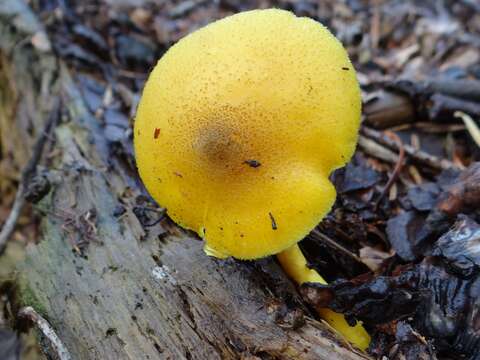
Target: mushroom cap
240	125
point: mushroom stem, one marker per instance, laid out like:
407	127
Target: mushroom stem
295	265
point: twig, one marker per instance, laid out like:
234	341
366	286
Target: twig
428	127
26	176
418	156
459	89
467	89
377	150
322	237
375	25
397	169
442	104
29	313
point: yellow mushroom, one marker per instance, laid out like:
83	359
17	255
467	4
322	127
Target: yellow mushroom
239	126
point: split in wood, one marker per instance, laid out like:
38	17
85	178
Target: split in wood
27	174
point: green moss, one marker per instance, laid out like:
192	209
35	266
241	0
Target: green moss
27	297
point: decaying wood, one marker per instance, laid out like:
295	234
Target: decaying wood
406	102
130	292
385	109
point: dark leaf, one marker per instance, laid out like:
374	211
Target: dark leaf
358	177
441	305
406	233
423	197
461	246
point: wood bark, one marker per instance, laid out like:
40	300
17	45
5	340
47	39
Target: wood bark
133	292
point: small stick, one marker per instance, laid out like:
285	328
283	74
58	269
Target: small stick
469	89
417	155
398	166
449	104
26	176
322	237
428	127
60	349
373	148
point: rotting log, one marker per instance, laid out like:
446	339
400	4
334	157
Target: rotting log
131	292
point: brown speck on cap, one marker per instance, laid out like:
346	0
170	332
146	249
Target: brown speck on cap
156	133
